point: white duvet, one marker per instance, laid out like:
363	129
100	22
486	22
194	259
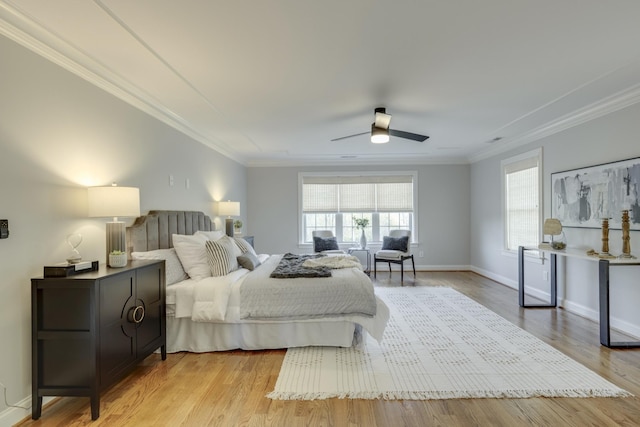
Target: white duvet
217	299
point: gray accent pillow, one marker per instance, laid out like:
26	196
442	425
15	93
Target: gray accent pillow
324	244
249	240
396	243
249	261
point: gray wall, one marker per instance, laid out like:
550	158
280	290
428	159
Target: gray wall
443	210
59	135
606	139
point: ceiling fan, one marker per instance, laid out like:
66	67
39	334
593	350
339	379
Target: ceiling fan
380	130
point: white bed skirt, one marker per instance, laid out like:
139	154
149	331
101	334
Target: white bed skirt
183	334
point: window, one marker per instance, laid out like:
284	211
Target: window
522	209
331	202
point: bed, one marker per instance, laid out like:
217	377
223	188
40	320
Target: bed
208	313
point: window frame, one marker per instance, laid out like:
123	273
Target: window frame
338	222
536	155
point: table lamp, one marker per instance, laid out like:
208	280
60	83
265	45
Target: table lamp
229	209
114	201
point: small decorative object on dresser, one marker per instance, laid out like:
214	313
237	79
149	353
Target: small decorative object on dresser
117	259
74	241
237	227
90	330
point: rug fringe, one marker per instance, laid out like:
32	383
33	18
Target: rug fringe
435	395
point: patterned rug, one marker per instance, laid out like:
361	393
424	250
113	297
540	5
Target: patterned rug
438	344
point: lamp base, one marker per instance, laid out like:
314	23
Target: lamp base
228	224
116	238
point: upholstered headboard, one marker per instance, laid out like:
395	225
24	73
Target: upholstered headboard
154	230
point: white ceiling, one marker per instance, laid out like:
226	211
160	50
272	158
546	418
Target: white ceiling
272	82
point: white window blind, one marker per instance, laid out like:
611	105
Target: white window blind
357	193
522	204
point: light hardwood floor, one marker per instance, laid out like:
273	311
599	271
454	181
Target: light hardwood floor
228	388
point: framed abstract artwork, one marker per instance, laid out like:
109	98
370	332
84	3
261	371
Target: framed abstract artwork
583	197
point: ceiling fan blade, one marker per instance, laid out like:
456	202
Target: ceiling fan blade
407	135
350	136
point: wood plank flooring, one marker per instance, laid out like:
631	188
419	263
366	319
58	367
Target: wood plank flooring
228	388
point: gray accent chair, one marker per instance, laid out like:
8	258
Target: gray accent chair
392	256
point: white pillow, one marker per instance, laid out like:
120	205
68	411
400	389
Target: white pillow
222	255
174	272
211	235
192	254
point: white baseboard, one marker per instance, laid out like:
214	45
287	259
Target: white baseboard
571	307
495	277
12	416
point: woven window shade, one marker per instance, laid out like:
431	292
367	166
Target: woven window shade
522	206
358	193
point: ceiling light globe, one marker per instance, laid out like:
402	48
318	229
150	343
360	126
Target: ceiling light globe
380	139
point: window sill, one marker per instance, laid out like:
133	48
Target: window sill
535	257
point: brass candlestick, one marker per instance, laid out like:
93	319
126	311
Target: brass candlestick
626	238
605	236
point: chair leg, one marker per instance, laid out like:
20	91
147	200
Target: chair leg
402	272
389	264
414	267
375	270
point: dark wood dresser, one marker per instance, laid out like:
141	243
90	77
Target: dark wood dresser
91	329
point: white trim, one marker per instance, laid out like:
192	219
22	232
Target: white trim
11	416
618	101
19	28
537	154
412	173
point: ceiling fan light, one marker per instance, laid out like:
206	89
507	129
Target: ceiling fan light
379	135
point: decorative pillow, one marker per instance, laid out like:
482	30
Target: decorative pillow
396	243
248	261
172	267
324	244
192	254
244	246
249	240
211	235
222	256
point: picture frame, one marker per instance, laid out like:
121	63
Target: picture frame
583	197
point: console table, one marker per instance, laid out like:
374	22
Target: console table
604	266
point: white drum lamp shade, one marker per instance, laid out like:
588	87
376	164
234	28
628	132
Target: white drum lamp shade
229	209
114	202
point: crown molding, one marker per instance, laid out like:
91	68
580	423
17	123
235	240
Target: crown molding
21	29
618	101
300	162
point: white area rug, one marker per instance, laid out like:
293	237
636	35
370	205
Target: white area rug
438	344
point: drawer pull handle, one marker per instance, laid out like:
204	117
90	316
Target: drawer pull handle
137	314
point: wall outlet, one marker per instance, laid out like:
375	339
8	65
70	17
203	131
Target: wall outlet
545	275
4	228
421	254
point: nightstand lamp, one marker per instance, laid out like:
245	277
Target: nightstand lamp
229	209
114	201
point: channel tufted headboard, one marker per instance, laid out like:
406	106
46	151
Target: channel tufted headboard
154	230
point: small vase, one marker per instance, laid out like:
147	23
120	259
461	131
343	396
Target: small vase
363	240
